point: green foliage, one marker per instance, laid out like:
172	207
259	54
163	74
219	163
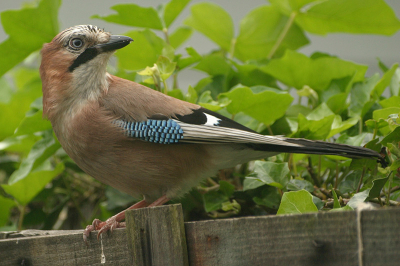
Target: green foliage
297	202
252	76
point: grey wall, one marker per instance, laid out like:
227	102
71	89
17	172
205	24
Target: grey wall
359	48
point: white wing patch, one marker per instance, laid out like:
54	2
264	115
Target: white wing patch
212	120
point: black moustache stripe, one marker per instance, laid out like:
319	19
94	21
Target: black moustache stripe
84	57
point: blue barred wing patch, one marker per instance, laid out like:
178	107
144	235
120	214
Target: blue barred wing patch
157	131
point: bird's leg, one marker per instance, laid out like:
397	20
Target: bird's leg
160	201
114	221
111	223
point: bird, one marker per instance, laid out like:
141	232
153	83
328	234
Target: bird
141	141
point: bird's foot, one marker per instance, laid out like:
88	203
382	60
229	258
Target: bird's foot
109	224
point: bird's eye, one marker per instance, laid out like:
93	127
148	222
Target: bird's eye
76	43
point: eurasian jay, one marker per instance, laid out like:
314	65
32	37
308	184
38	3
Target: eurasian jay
138	140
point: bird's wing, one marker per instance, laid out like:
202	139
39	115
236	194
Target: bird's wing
206	127
201	126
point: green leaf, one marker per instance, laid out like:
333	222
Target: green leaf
358	198
214	22
257	102
317	124
314	129
27	35
298	184
40	152
345	208
318	202
207	102
251	75
172	10
252	182
24	190
352	16
385	113
394	167
296	202
288	6
377	186
193	57
33	123
191	95
13	112
176	93
20	144
214	64
213	200
393	101
339	126
298	70
384	82
269	197
23	76
134	15
165	66
360	96
6	91
336	203
179	36
135	57
392	137
5	207
350	183
271	173
260	30
395	83
226	188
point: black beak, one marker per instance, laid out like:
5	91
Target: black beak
115	42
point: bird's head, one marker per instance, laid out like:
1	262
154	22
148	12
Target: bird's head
74	64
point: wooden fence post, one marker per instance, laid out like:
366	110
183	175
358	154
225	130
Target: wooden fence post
157	236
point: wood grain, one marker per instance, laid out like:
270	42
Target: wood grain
309	239
66	250
157	236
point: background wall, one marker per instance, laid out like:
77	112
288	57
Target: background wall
362	49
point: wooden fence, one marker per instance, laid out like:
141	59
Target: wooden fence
158	236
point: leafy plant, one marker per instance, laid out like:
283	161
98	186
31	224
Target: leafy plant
252	77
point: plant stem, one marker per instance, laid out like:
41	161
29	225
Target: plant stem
390	184
165	87
310	170
375	131
175	84
21	216
361	179
283	34
270	130
71	196
232	49
337	175
165	30
319	167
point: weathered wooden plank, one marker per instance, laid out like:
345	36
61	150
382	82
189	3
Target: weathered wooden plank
66	250
309	239
157	236
381	236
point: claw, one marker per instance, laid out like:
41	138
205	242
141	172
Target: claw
113	222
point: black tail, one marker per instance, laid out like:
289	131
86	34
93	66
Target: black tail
323	148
